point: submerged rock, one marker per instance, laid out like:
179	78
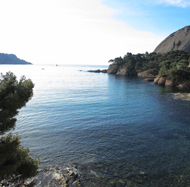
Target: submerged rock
185	96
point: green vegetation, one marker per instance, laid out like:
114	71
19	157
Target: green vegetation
173	65
15	162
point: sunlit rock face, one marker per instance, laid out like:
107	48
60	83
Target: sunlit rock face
179	40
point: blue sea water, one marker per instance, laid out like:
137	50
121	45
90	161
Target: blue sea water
119	131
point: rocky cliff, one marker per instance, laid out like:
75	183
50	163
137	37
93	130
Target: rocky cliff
179	40
163	81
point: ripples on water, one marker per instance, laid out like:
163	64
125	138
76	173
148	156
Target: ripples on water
120	131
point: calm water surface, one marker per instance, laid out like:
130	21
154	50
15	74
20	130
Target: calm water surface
119	131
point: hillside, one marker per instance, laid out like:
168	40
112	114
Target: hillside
11	59
167	69
168	65
179	40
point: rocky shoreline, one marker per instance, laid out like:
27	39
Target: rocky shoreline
162	81
49	177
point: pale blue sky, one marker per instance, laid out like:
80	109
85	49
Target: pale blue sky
161	17
87	31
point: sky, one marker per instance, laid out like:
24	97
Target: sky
87	31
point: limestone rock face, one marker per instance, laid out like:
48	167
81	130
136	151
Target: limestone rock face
156	80
179	40
161	81
122	71
112	69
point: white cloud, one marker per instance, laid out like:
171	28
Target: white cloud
67	31
180	3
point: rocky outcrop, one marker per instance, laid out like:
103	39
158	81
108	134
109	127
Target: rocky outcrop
113	68
145	74
125	71
161	81
122	71
179	40
172	83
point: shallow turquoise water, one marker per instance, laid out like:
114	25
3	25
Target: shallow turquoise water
120	131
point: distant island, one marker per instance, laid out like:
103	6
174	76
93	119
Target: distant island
12	59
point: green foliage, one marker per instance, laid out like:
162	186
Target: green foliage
13	96
171	65
153	71
14	159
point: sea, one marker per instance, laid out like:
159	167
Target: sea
117	130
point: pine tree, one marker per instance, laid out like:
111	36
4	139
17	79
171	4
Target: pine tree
14	158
